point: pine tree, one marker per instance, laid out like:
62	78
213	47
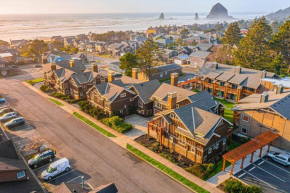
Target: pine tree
127	62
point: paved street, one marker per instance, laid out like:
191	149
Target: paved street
90	153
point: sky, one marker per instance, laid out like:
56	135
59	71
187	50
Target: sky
135	6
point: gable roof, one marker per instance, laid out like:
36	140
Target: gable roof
146	89
204	96
203	46
200	54
168	67
126	81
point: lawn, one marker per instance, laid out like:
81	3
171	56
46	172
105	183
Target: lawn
219	165
55	101
166	170
34	81
100	129
229	114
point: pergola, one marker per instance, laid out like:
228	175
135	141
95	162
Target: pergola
250	147
187	83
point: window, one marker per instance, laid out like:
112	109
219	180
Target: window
161	75
66	91
171	139
246	118
209	151
224	141
125	106
140	103
123	95
20	174
81	94
131	99
142	112
84	87
216	146
172	115
181	142
244	131
192	149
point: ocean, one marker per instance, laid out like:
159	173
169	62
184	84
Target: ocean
47	25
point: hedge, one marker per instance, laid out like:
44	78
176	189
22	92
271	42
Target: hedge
117	124
233	186
201	170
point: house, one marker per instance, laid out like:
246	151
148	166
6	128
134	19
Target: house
101	47
53	56
5	69
230	82
18	44
115	66
116	49
199	58
272	84
191	130
184	50
183	59
203	47
115	96
163	41
8	57
168	54
4	45
160	72
72	78
72	187
82	57
68	41
269	111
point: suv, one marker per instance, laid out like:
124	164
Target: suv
281	158
45	156
8	116
2	101
15	122
5	110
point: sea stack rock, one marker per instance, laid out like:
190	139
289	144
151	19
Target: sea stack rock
218	11
161	16
196	17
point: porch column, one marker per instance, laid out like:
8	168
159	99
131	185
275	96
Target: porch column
251	161
260	154
225	93
268	147
232	168
160	138
238	95
224	164
148	131
242	165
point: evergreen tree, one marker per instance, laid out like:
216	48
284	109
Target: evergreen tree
232	35
254	50
127	62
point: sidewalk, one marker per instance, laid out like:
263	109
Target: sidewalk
123	140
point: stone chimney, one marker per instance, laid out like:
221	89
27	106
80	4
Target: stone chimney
172	100
280	89
95	68
72	63
238	70
174	79
52	67
111	76
264	73
215	65
135	73
264	97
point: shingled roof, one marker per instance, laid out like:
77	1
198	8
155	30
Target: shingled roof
146	89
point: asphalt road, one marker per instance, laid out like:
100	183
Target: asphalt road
92	154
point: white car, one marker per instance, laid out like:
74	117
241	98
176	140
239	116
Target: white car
55	168
8	116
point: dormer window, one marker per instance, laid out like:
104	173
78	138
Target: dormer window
123	95
172	115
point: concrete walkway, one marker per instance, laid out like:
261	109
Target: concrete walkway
123	140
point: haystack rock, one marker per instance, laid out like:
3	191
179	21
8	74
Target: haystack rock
218	11
161	16
196	16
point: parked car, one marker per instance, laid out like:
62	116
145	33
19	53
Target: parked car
55	168
46	156
15	122
5	110
8	116
281	158
2	100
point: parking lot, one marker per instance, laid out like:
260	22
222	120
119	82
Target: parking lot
271	176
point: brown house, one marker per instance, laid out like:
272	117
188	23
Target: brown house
230	82
5	69
72	78
192	131
258	113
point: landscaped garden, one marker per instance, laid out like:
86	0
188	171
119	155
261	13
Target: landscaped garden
233	185
228	114
34	81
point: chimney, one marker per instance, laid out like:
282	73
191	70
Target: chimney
111	76
174	79
172	99
215	65
135	73
72	63
95	68
264	97
238	70
280	89
264	73
52	67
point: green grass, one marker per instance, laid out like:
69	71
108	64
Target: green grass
219	165
229	114
34	81
55	101
167	170
100	129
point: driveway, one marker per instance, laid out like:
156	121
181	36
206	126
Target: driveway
139	126
90	153
269	175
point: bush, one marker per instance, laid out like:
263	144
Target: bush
201	170
168	157
117	124
44	88
75	100
233	186
30	82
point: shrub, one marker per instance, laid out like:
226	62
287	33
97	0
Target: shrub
117	124
233	186
201	170
1	96
30	82
75	100
43	88
168	157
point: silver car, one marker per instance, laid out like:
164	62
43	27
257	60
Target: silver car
8	116
282	158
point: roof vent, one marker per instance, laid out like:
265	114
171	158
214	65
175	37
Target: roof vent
280	89
264	73
215	65
264	97
237	70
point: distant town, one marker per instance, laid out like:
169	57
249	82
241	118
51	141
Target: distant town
205	104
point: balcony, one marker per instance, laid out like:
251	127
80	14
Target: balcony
220	88
232	91
208	85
